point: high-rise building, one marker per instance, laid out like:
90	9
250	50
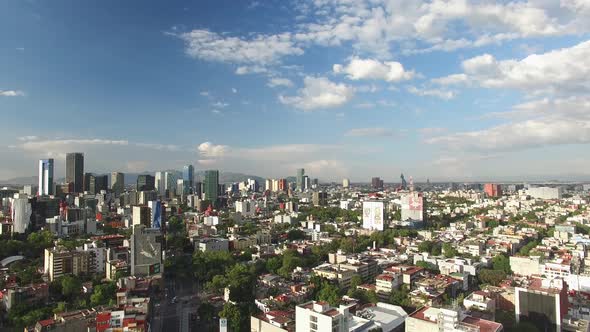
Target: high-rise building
75	170
320	198
299	183
160	183
492	189
170	182
345	183
142	216
146	251
283	186
145	182
306	183
118	182
46	177
377	183
413	206
188	175
21	211
211	185
95	183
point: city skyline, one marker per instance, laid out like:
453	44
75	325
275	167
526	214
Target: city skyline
464	91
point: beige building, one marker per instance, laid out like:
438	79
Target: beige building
59	262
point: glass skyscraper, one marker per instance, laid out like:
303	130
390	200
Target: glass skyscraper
75	170
46	177
211	185
300	183
188	175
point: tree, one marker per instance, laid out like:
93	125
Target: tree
61	307
449	251
427	266
502	263
355	281
71	287
206	311
400	296
425	246
273	264
330	293
492	277
103	294
233	315
241	282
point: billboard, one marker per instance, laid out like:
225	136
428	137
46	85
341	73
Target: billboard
373	216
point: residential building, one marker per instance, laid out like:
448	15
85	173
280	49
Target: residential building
320	198
543	302
545	192
60	261
492	190
431	319
317	316
212	244
142	216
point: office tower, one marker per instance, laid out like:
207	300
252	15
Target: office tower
118	182
376	183
306	183
492	189
198	190
188	175
101	182
146	251
170	182
320	198
299	179
345	183
268	184
46	177
141	215
181	188
88	182
283	186
155	214
145	182
21	214
211	185
404	185
75	170
159	183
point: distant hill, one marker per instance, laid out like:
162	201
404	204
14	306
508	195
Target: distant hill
131	178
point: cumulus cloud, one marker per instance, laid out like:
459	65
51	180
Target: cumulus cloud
548	122
562	71
442	94
279	81
319	92
258	50
370	69
370	132
11	93
210	150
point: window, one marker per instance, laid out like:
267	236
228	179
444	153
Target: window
314	319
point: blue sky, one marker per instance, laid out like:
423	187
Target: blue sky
460	90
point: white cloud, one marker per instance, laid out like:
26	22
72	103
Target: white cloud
451	79
370	69
258	50
319	92
220	104
204	93
11	93
279	81
442	94
549	122
245	70
370	132
562	71
210	150
234	90
27	138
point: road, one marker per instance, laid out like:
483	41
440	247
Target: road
174	317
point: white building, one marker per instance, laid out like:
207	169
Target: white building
247	207
413	206
21	214
345	183
213	244
373	215
320	316
545	192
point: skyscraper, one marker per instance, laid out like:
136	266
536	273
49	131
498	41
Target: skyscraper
300	184
376	183
159	183
188	175
46	177
118	182
211	185
75	170
145	182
